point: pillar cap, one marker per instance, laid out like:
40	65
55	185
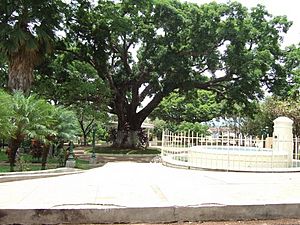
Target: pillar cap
283	120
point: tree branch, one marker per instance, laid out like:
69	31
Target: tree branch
213	82
135	98
145	92
142	115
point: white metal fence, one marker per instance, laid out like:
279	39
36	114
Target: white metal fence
228	152
189	139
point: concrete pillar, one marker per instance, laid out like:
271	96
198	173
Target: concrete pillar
283	136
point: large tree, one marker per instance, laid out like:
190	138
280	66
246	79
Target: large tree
148	48
27	33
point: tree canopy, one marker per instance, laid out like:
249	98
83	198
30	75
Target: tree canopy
195	106
145	49
74	84
27	33
151	48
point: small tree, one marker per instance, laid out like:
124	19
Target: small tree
65	129
29	117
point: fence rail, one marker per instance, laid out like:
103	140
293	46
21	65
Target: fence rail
228	152
189	139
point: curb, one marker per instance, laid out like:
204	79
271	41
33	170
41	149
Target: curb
17	176
110	214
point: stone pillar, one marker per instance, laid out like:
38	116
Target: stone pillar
283	136
70	163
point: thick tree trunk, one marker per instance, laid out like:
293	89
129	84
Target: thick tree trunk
20	72
127	132
133	139
118	141
129	120
127	139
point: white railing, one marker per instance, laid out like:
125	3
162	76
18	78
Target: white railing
189	139
227	152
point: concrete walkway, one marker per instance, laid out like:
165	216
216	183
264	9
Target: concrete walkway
130	185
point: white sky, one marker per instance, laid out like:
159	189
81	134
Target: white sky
290	8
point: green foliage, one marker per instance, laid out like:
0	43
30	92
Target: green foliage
146	48
26	163
27	33
76	85
199	128
289	107
292	66
261	123
82	164
61	156
270	109
223	48
3	156
5	114
102	133
65	125
71	82
195	106
159	127
22	164
28	24
30	117
184	126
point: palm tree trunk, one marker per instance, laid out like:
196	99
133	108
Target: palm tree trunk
13	146
20	72
45	153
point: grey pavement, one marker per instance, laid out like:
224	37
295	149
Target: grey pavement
130	184
143	185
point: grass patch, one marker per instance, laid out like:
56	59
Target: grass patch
29	164
4	168
111	150
83	164
3	156
29	167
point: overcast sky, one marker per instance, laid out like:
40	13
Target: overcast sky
290	8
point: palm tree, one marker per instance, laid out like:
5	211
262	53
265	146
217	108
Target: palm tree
30	118
27	33
5	114
65	128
